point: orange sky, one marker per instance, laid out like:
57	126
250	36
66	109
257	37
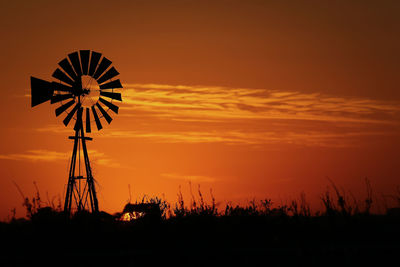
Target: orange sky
253	99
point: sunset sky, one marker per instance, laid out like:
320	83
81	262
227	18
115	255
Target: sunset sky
252	99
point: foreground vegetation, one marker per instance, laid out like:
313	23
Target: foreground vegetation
199	234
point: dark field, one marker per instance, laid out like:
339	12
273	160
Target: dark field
258	234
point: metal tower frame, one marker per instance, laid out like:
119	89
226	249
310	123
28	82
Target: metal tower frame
81	189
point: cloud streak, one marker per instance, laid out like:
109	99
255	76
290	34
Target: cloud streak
36	155
190	178
163	113
247	103
41	155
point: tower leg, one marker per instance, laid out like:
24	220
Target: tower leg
71	178
81	193
90	181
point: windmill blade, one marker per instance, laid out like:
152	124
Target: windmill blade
111	85
64	107
58	74
93	62
85	61
66	66
74	57
41	91
58	98
71	114
104	64
105	114
96	119
78	123
88	130
111	73
116	96
61	87
109	105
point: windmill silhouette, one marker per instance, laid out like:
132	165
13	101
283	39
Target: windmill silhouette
85	83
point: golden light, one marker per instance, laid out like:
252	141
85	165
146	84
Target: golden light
130	216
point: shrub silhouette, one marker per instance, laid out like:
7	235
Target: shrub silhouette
260	231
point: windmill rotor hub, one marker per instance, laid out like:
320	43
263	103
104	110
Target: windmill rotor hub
90	92
85	91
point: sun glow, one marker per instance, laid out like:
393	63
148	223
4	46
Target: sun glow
131	216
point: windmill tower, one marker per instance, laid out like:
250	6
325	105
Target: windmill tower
85	83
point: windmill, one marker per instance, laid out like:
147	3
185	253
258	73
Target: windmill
85	84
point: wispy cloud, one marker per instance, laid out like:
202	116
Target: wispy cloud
212	114
307	138
53	128
102	159
246	103
190	178
36	155
47	156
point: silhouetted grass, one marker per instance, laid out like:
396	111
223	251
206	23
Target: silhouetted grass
199	233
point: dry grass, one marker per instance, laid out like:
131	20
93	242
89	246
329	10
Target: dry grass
335	202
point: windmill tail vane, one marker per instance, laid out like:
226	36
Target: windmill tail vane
85	85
